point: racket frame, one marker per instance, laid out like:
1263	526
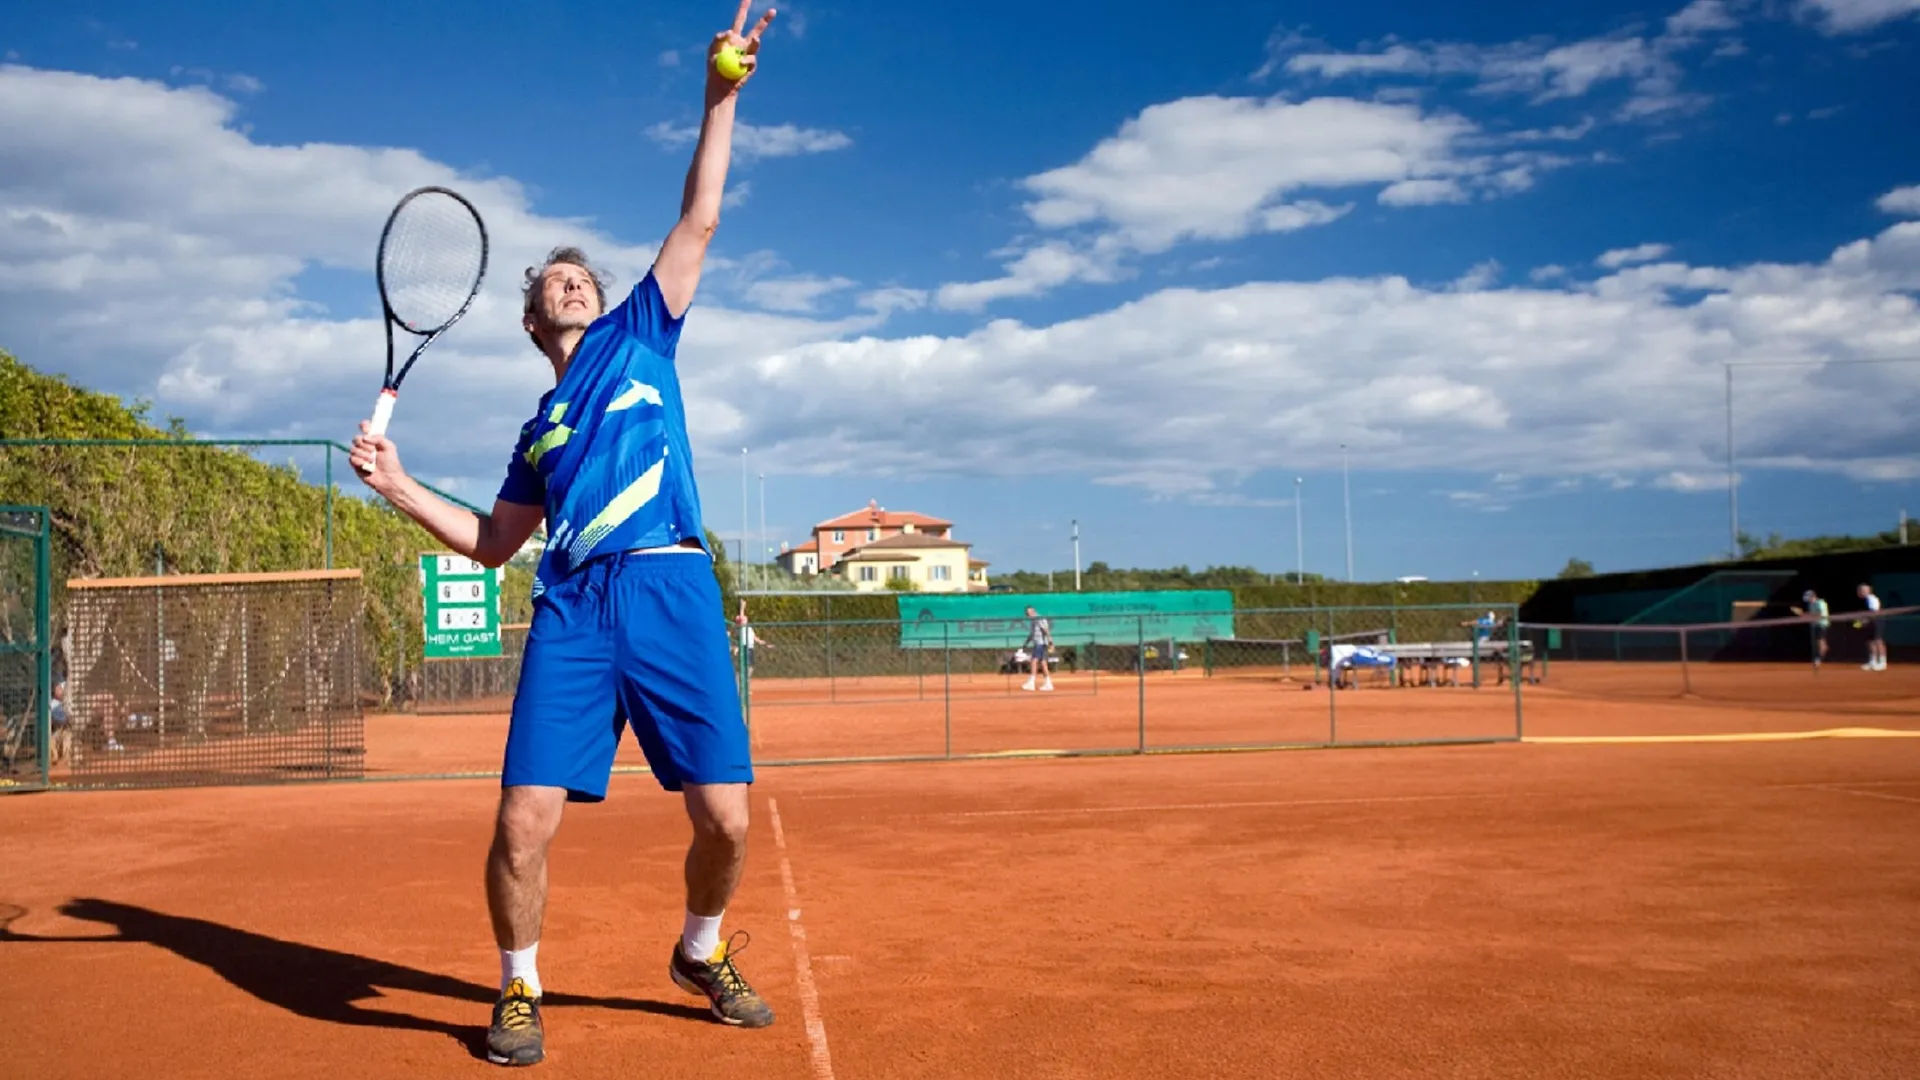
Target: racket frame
390	384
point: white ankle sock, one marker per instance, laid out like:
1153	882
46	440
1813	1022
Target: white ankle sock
701	936
518	964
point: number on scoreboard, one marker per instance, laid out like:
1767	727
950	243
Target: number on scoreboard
457	565
463	592
463	618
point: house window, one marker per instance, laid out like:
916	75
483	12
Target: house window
867	573
839	536
873	534
938	573
899	573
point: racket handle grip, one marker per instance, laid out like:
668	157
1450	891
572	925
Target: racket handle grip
382	413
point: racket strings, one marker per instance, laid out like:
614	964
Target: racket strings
431	261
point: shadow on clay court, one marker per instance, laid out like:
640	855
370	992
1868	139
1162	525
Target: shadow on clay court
309	981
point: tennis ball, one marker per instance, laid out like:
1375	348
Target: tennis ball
728	63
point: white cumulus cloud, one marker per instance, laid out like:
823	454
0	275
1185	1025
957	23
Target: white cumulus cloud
751	141
1904	201
1538	68
1640	253
1852	16
1215	169
150	247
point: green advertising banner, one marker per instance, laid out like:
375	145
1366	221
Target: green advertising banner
999	621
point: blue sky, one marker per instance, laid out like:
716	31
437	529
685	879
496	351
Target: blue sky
1019	265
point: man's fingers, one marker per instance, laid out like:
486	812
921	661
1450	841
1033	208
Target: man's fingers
759	28
740	17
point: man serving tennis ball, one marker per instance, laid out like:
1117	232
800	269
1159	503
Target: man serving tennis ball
627	627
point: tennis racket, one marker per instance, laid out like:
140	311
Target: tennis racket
433	255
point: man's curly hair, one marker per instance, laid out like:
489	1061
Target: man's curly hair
572	256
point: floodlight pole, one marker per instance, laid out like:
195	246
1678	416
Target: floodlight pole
1076	555
740	574
1299	537
1346	496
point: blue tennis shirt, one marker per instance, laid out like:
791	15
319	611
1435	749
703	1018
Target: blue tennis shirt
606	454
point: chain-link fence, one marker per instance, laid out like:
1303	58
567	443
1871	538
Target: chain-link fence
204	679
32	721
482	684
883	689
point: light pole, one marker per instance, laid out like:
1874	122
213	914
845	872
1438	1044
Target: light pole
1346	497
1076	555
1299	537
740	574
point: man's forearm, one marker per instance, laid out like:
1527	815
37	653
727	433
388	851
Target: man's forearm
707	176
460	529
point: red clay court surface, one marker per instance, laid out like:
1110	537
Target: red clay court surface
1699	909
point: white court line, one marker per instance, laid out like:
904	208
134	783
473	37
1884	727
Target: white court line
809	994
1039	811
1865	794
1908	782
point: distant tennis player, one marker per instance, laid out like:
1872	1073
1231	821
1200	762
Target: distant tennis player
1876	630
1039	648
1817	608
627	626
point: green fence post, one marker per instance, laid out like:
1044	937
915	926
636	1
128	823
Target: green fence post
1140	671
746	686
1514	669
1474	629
946	651
43	638
1333	708
329	510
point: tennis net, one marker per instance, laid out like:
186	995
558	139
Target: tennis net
1783	662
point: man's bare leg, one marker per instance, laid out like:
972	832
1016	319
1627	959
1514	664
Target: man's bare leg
517	875
523	830
719	814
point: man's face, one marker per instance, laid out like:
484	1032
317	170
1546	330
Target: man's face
1030	613
567	300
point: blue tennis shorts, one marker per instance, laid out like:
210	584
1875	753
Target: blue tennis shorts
628	641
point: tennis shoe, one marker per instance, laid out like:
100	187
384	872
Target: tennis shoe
515	1036
732	1000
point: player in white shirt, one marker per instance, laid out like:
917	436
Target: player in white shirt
1039	643
1876	631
